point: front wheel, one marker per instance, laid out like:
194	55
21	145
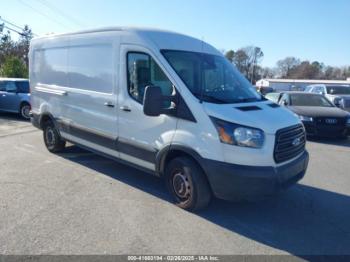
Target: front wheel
187	184
52	138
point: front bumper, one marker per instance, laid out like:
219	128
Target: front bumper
313	129
237	182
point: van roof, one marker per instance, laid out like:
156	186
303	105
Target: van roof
163	39
107	29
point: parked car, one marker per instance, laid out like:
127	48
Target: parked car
274	97
168	104
338	94
265	90
15	96
319	115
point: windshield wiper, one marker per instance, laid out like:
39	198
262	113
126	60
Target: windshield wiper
247	100
207	98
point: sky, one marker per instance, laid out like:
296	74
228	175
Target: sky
307	29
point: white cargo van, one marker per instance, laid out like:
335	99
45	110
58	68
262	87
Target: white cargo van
168	104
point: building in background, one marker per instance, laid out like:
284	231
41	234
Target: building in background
294	84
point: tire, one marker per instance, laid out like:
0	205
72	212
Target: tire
53	141
187	184
24	111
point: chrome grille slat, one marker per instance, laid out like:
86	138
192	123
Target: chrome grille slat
292	136
284	148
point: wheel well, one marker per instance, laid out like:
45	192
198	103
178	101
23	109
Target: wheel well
174	153
23	103
45	119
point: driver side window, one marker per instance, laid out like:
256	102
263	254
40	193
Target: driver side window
143	71
11	87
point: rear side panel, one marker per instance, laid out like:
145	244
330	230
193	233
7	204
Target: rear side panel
73	79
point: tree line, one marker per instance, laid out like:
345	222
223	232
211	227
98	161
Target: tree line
248	61
14	54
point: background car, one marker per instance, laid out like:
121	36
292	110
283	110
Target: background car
319	116
264	90
14	96
274	97
338	94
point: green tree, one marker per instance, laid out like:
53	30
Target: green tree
230	55
14	67
7	46
22	46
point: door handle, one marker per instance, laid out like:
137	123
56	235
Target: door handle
125	108
109	104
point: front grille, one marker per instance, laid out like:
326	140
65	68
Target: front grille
290	142
330	126
330	121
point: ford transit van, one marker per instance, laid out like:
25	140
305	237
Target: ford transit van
168	104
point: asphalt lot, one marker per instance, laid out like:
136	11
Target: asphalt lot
81	203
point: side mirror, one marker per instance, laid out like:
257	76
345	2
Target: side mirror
153	101
285	102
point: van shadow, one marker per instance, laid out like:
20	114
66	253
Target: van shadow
302	221
12	117
332	141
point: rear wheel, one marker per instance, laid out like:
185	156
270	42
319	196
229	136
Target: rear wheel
187	184
24	110
53	141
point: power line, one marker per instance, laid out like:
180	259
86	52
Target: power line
14	30
10	23
43	14
60	12
14	25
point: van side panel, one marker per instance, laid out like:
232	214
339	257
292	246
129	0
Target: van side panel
48	73
73	79
91	76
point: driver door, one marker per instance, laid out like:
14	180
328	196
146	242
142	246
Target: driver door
10	100
141	136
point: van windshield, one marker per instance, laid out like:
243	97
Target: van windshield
211	78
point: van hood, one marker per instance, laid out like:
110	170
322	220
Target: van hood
318	111
264	115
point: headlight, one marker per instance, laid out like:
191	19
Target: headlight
306	118
338	101
238	135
